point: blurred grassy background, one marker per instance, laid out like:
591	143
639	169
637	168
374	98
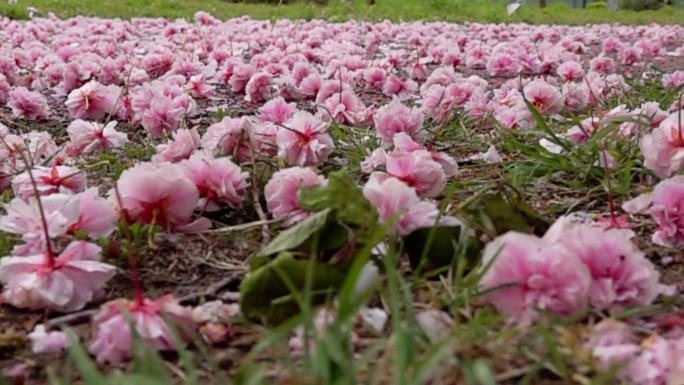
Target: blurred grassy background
337	10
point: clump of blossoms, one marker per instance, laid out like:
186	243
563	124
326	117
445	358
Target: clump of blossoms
574	265
666	206
654	360
663	148
34	276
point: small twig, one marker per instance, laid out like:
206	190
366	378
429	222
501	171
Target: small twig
213	290
73	318
242	226
514	373
265	233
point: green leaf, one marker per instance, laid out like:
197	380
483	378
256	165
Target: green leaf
295	236
343	196
541	123
265	295
85	365
504	210
441	250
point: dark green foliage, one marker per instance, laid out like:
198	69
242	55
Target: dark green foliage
312	256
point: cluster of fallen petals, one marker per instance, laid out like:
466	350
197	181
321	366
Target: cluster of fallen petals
577	264
653	360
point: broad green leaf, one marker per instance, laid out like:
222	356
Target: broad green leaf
503	211
266	298
441	250
343	196
295	236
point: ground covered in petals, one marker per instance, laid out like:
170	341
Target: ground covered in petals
312	202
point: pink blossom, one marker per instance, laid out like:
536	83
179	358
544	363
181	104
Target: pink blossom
4	89
630	55
527	274
570	71
502	64
74	279
281	193
436	105
163	115
402	89
311	85
490	156
184	143
418	170
47	342
23	218
394	118
28	105
373	161
374	77
658	363
668	211
304	140
258	87
158	193
344	108
277	111
582	133
49	180
545	97
228	137
263	138
663	148
96	215
395	200
241	75
87	137
112	338
621	275
199	87
673	80
92	101
574	97
602	64
403	142
300	70
612	343
218	180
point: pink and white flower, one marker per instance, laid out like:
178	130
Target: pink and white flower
159	194
304	141
112	337
47	342
87	137
394	118
663	148
65	283
528	275
28	105
397	201
218	180
92	101
181	146
281	193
